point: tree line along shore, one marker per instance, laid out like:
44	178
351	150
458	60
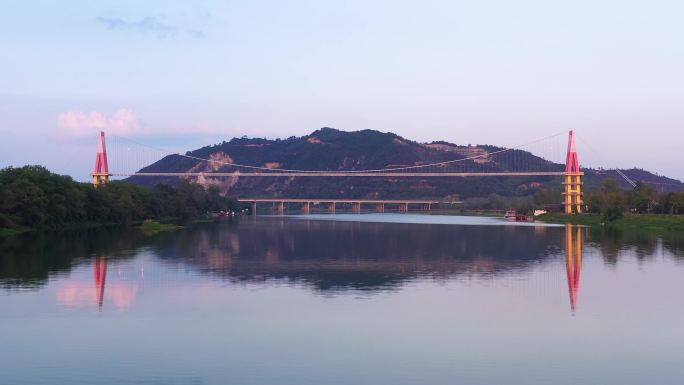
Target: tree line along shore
31	198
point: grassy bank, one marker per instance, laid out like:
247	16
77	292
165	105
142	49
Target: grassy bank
153	227
641	221
8	232
147	226
16	231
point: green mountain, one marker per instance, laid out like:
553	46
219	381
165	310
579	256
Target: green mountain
335	150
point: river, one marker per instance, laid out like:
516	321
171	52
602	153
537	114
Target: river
343	299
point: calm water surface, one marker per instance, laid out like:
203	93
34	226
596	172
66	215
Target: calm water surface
390	299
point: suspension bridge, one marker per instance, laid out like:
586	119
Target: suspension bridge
538	158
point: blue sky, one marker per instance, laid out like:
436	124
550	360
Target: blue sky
185	74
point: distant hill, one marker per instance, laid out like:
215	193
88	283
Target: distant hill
335	150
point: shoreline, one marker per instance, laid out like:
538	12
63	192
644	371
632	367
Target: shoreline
146	225
645	222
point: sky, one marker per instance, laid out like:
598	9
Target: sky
183	74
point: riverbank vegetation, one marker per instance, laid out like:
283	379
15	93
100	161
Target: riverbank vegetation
150	227
628	220
643	207
32	197
610	201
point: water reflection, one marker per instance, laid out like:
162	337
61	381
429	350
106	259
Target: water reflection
334	257
100	275
309	302
573	261
326	256
358	274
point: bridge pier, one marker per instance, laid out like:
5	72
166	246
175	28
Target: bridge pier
356	207
572	194
278	205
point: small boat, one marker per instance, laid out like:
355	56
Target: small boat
512	216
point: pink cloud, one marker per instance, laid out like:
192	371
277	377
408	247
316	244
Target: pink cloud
79	123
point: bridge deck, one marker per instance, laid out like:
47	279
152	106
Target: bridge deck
342	174
332	200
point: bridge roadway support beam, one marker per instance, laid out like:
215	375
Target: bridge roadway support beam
403	207
380	208
254	208
356	207
306	208
331	207
281	208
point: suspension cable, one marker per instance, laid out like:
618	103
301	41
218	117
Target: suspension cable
617	170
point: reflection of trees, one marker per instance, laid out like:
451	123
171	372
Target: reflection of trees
642	244
674	241
28	260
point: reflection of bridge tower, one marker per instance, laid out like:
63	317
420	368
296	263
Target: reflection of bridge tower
573	261
572	179
100	274
100	173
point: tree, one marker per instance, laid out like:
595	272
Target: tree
643	198
608	200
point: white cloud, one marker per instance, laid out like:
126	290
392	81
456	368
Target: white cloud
78	123
149	25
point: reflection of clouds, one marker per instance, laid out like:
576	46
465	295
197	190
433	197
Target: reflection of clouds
76	294
82	294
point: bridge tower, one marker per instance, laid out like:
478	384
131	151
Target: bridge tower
572	179
101	172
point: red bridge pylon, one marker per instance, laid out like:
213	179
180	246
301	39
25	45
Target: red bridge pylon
100	173
572	179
